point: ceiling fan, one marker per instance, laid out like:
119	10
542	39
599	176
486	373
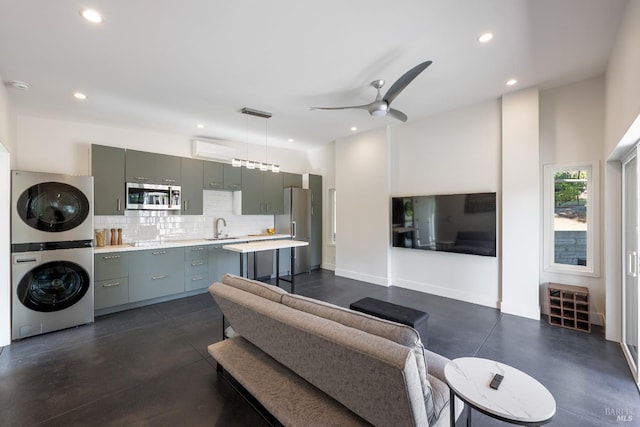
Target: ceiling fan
381	105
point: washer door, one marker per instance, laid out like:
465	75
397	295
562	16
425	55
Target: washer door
53	286
53	207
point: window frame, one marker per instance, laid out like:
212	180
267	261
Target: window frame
592	269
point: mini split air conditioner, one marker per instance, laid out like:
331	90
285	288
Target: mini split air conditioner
212	151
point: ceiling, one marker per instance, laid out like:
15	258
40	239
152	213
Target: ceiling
170	65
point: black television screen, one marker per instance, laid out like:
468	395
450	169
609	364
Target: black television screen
461	223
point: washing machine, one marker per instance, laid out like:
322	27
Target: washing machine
52	288
51	252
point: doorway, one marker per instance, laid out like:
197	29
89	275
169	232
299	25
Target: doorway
630	238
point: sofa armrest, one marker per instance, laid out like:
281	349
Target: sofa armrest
436	364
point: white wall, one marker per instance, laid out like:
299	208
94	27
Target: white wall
362	187
520	204
572	130
454	152
38	138
622	109
7	135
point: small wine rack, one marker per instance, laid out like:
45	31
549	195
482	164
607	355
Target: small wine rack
569	307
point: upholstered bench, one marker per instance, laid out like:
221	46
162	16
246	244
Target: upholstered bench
396	313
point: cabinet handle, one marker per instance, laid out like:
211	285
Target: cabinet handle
142	178
195	264
198	249
158	253
168	180
111	285
118	204
111	257
632	263
215	185
185	205
195	279
164	276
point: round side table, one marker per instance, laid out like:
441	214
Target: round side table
520	399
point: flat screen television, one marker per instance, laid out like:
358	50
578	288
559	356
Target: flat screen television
459	223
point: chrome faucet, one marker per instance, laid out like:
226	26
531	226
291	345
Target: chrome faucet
216	228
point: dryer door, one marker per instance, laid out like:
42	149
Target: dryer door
53	286
53	207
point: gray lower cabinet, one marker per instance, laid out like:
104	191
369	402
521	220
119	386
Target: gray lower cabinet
111	281
156	273
222	261
196	267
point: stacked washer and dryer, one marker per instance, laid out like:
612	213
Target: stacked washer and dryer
51	251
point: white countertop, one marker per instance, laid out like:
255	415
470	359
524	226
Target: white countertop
519	398
183	243
264	245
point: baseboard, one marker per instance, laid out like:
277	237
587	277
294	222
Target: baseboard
376	280
469	297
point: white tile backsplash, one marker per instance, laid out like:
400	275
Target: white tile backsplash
142	226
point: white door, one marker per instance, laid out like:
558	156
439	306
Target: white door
630	239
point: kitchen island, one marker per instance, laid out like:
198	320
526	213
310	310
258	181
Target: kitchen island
268	245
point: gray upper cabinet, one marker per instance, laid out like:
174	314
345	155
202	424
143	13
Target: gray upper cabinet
291	180
315	188
168	170
107	168
152	168
213	176
140	167
221	176
261	193
191	182
232	178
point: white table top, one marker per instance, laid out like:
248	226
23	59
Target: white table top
519	398
264	245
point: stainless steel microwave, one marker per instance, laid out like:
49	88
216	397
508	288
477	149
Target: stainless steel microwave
153	196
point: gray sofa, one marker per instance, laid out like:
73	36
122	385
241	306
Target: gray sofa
310	363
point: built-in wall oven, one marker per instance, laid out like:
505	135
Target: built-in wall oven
52	252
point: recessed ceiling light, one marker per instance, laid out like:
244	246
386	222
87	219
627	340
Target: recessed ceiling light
290	139
511	82
200	126
80	95
19	84
91	15
353	128
485	37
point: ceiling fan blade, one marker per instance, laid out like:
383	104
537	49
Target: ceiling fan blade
404	81
360	107
397	114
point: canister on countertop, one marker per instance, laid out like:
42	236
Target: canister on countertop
113	237
100	238
119	236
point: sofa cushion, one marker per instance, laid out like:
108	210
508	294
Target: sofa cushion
392	331
261	289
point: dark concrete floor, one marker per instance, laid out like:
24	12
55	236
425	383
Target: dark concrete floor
149	366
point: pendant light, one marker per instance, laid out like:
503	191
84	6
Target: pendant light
250	164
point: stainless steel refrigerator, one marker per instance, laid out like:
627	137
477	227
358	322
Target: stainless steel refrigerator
296	221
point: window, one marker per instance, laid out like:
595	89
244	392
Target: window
571	219
332	216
